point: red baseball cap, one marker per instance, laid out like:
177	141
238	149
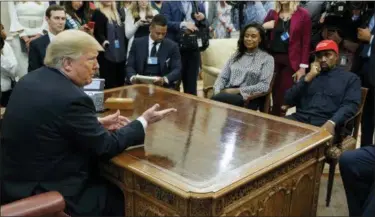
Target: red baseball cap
327	45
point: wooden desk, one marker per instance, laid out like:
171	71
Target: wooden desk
213	159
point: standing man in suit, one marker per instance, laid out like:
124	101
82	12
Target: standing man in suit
183	16
56	17
364	66
52	139
155	55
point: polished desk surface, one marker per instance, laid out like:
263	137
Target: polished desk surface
207	146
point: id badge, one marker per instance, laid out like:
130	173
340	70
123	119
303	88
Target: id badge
285	36
343	60
200	43
117	44
152	61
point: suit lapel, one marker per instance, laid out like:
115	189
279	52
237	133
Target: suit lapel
181	8
144	54
276	18
162	56
45	44
294	20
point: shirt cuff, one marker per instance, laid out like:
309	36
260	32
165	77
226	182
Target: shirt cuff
182	24
143	122
166	80
372	38
332	122
305	66
132	78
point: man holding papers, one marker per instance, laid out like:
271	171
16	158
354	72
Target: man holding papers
154	59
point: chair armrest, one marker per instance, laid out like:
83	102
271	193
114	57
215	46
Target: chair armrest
254	96
45	204
213	71
208	88
349	125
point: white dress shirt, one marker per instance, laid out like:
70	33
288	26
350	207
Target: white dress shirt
151	44
51	36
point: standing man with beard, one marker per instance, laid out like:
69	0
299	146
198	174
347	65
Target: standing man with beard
56	17
328	95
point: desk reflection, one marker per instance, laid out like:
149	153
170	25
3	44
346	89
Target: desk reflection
204	142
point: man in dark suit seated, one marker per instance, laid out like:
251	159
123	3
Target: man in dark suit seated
328	95
55	16
357	169
155	56
52	139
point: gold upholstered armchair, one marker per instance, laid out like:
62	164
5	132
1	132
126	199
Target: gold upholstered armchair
214	59
346	139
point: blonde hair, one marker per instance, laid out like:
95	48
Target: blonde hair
111	14
38	2
134	8
71	44
293	5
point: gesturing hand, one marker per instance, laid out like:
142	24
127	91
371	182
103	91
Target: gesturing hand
152	115
114	121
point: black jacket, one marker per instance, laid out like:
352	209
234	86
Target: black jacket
51	140
37	52
168	56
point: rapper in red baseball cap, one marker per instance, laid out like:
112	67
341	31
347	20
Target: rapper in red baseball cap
327	54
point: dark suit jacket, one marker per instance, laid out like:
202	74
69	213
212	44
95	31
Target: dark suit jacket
168	57
358	62
175	14
51	140
299	36
37	52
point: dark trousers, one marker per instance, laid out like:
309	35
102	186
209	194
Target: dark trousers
357	169
237	99
5	98
283	81
190	62
113	73
115	202
368	116
101	198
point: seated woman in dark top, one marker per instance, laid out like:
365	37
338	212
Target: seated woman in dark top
248	71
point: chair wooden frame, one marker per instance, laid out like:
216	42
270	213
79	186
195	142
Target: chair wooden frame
347	140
